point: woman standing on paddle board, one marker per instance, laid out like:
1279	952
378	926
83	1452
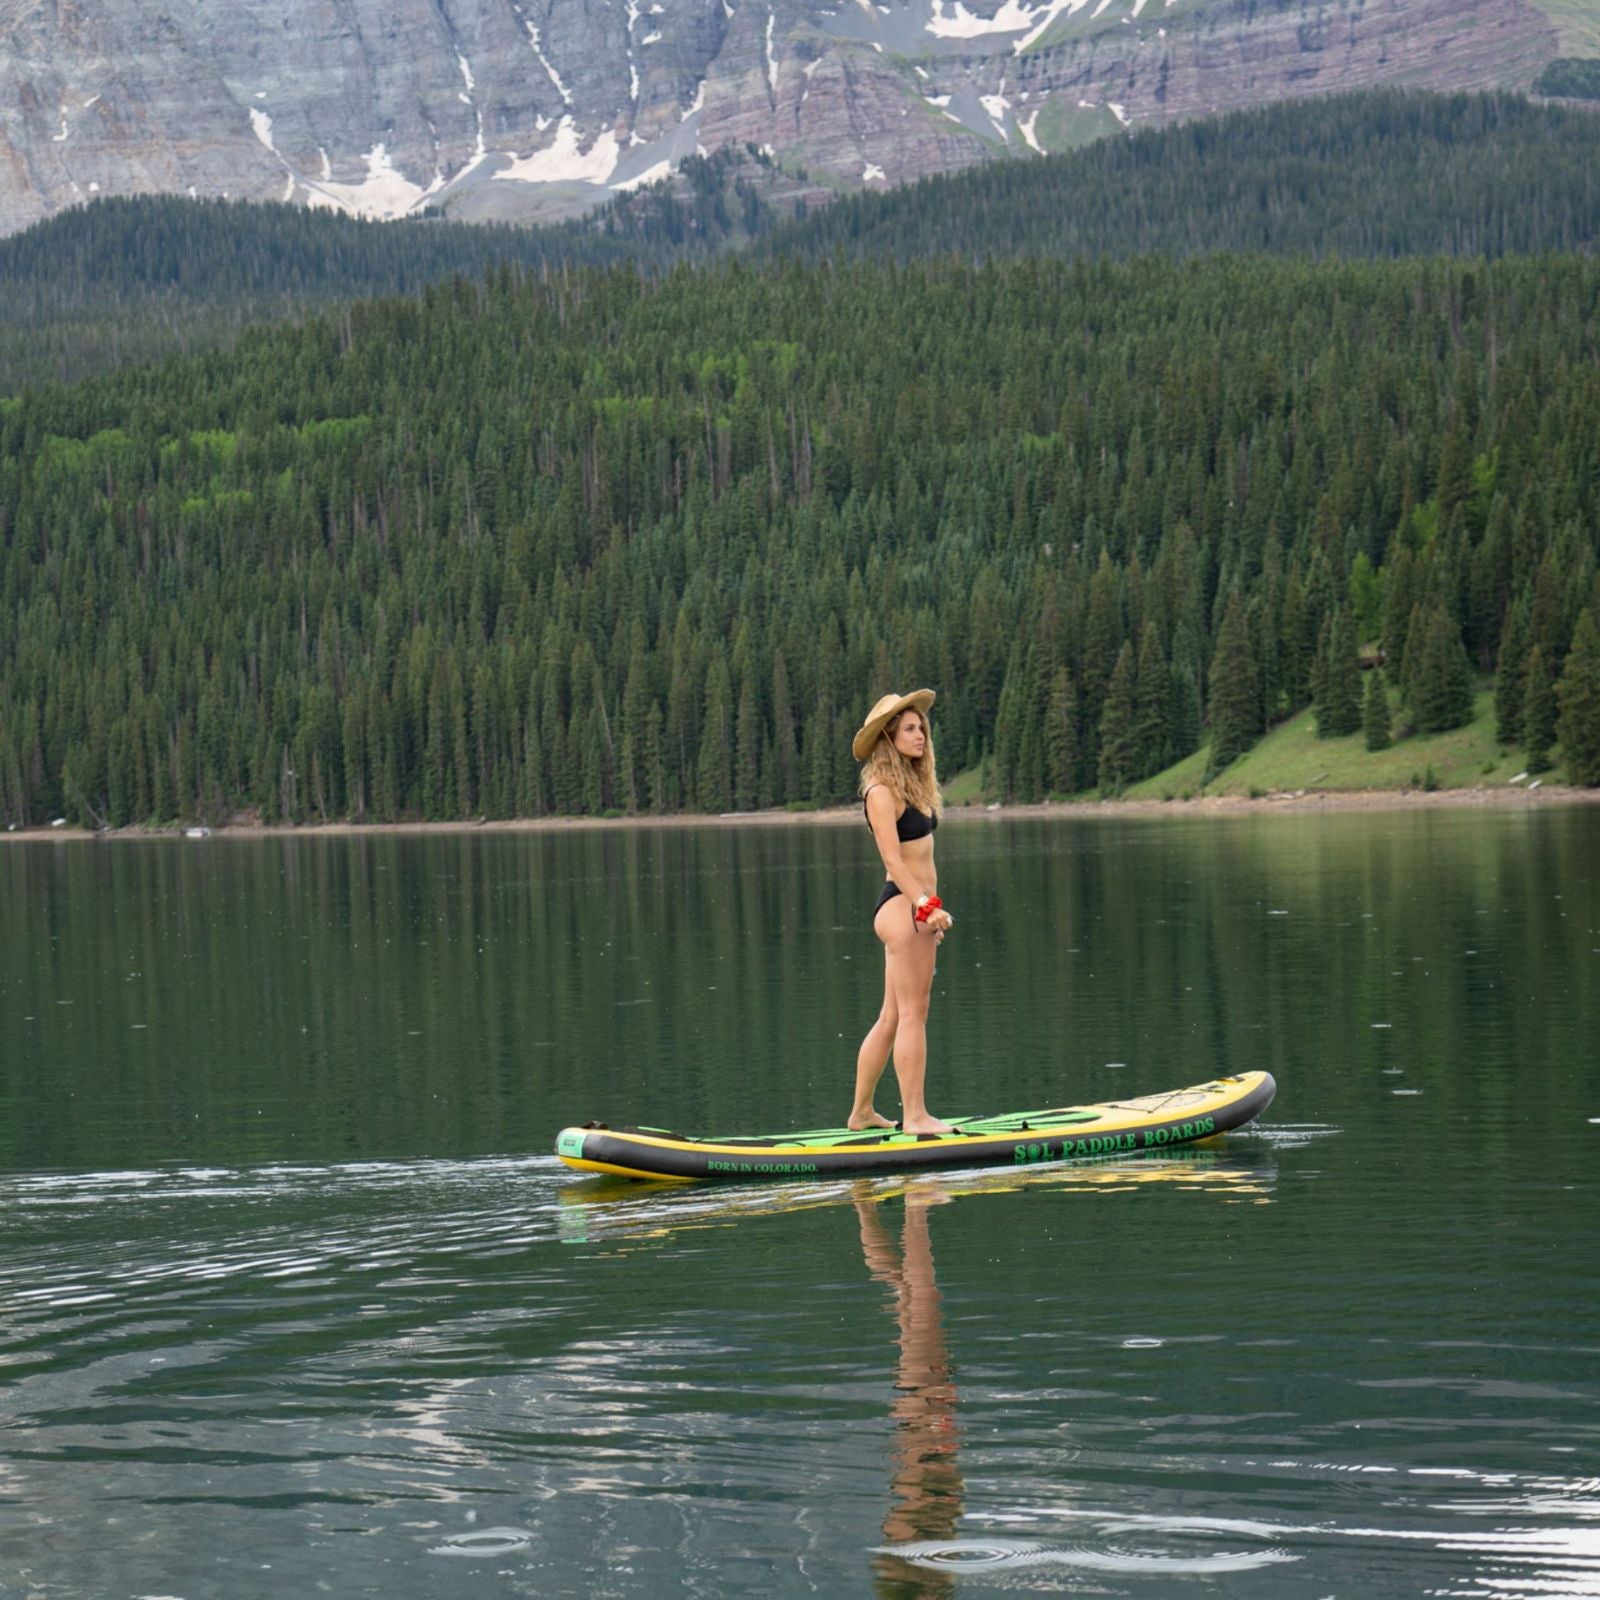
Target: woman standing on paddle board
900	793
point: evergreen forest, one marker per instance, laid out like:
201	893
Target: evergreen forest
134	278
1378	174
527	546
567	539
1375	175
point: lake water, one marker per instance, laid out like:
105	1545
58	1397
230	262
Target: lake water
295	1300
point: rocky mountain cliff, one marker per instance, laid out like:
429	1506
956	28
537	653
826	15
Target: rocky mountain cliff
538	109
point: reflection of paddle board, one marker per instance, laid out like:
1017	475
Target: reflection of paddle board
1020	1138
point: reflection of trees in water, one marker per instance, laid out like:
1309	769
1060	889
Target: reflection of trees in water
1135	942
926	1484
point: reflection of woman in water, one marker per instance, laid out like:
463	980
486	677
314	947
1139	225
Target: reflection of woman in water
926	1484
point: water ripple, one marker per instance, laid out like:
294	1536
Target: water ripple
983	1555
484	1542
384	1228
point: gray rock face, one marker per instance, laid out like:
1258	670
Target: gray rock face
522	109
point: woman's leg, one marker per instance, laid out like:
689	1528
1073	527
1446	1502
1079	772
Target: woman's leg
909	959
871	1059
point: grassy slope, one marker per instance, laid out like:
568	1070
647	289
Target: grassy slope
965	789
1577	24
1292	757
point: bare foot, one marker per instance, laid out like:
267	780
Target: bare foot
926	1125
873	1120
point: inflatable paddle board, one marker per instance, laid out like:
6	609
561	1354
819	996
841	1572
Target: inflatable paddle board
1019	1138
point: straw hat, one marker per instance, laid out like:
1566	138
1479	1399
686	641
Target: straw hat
882	714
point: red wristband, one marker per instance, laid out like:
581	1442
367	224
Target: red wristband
928	907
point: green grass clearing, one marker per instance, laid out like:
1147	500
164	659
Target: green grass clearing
1291	757
966	788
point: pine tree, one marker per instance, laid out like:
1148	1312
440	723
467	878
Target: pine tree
1102	636
353	732
1061	736
1010	715
747	760
1401	590
786	758
1152	732
1319	674
460	786
1030	746
816	758
1235	699
1119	752
654	760
1509	687
1295	663
384	758
533	791
1440	691
636	702
1338	679
1454	486
1579	694
1375	719
1184	716
1538	711
1487	585
714	770
986	648
1550	614
1409	658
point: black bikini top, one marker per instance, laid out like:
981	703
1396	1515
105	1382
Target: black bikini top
910	824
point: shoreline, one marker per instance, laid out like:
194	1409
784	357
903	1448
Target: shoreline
1289	802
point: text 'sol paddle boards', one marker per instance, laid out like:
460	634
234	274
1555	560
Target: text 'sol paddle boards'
1020	1138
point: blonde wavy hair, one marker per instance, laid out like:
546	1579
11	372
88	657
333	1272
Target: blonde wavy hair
912	783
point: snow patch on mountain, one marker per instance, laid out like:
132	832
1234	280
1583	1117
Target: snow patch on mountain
633	66
997	105
962	24
384	194
1046	16
1012	17
564	161
545	62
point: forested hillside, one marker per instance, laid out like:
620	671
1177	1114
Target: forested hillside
1382	174
578	542
1376	175
123	280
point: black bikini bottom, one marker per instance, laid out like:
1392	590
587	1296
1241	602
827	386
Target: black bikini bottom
890	890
